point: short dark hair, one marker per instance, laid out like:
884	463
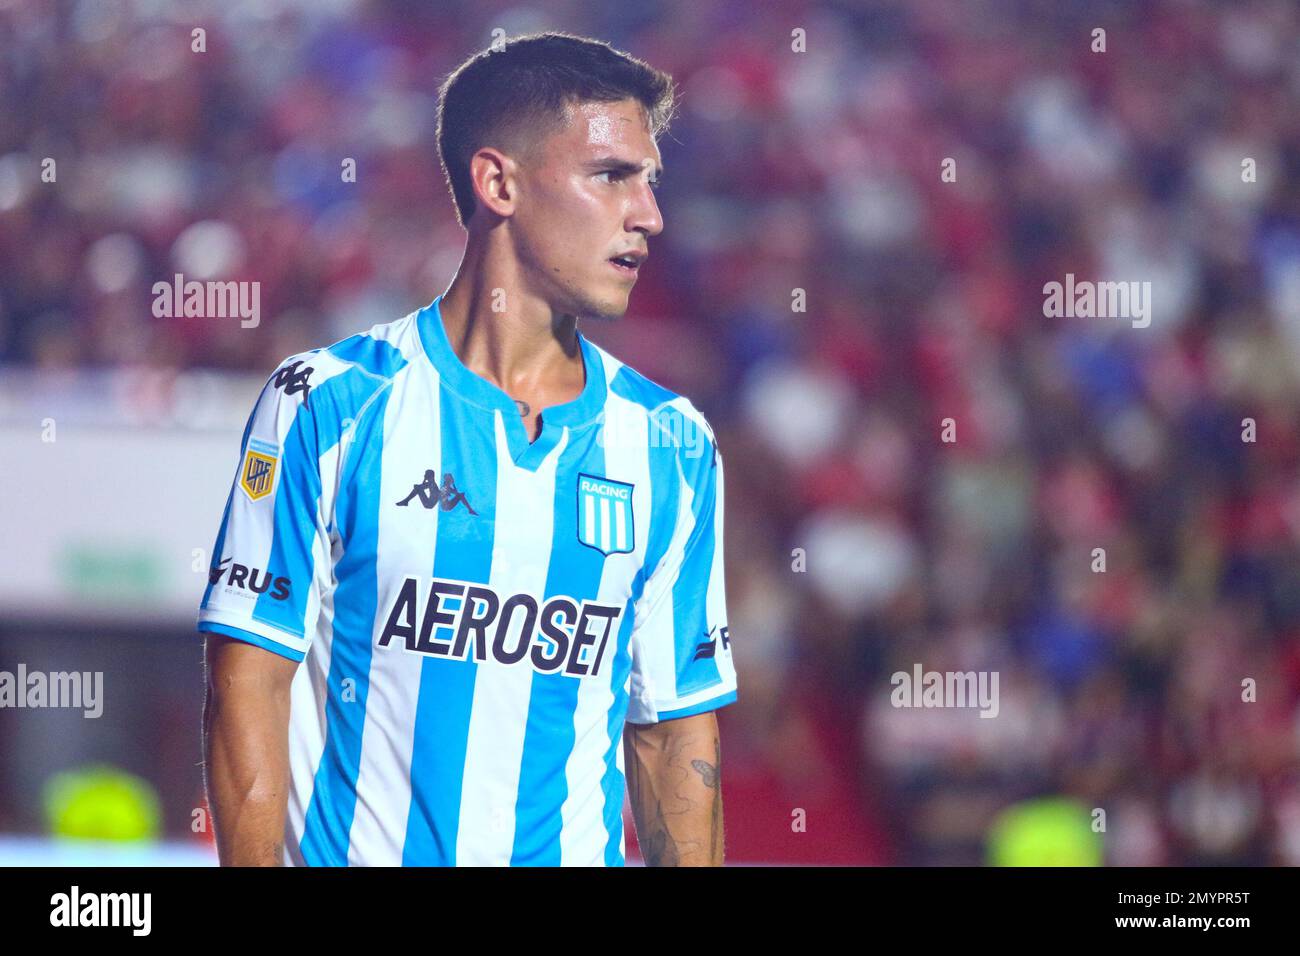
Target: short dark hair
511	96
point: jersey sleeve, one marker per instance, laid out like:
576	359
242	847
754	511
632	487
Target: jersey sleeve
271	561
681	646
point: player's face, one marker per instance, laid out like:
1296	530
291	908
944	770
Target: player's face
589	200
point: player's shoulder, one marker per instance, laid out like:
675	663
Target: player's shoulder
673	418
365	359
378	353
336	383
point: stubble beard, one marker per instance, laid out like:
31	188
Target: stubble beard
608	308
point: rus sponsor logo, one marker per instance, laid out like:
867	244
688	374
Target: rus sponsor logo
241	578
467	621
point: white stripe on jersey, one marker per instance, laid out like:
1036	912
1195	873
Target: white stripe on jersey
383	779
499	720
307	695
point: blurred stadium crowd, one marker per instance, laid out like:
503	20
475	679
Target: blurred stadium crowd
859	542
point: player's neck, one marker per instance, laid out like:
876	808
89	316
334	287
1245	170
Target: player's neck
522	347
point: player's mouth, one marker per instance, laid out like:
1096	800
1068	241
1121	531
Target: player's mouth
628	263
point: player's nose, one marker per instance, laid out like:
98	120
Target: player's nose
643	215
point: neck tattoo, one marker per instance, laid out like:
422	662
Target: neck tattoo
523	408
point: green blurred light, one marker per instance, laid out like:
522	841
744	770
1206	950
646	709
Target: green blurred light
1050	831
102	803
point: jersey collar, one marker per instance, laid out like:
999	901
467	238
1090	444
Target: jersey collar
473	387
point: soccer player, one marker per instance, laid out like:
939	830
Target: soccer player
470	573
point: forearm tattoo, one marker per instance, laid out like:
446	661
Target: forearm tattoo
659	847
711	774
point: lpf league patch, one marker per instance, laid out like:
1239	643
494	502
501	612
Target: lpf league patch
257	477
605	515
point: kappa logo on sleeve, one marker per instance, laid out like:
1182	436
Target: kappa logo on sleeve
257	476
293	378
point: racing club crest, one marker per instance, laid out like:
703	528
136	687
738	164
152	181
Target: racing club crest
605	515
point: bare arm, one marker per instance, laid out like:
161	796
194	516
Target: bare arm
246	749
674	784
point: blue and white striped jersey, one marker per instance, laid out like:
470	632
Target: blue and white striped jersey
476	615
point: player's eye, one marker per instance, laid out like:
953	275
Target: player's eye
612	176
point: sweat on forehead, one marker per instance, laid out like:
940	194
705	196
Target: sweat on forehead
600	130
604	123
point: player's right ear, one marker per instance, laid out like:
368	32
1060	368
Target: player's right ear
495	178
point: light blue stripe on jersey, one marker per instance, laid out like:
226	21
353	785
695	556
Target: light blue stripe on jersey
294	518
713	703
549	735
464	553
612	782
690	590
333	800
255	639
664	497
